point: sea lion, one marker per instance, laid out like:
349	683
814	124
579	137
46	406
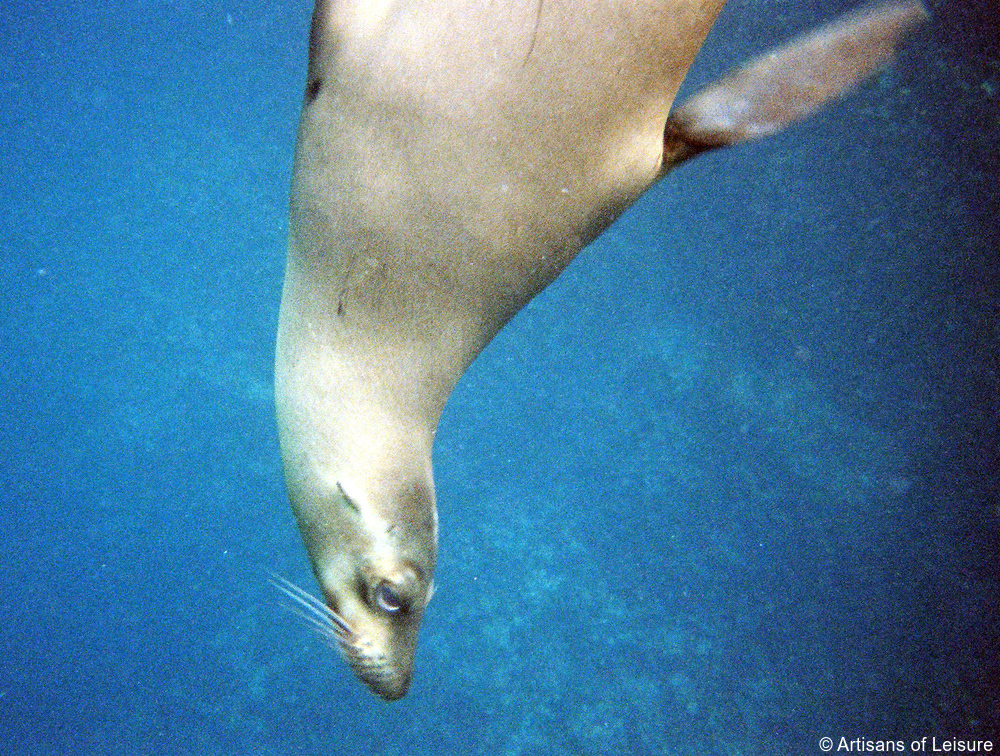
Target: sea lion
452	158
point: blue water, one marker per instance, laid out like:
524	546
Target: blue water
727	487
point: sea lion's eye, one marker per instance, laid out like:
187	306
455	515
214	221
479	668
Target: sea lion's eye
387	599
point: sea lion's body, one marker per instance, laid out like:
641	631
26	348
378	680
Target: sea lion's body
453	156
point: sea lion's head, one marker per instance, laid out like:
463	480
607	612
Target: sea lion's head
375	566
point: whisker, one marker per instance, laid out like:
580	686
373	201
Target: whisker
312	610
325	625
324	628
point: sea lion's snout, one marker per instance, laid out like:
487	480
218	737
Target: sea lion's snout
380	606
381	648
378	645
386	677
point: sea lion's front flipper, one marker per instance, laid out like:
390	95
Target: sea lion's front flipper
789	83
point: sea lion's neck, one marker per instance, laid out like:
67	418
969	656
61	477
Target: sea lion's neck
357	416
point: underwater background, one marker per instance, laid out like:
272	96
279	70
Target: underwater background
727	487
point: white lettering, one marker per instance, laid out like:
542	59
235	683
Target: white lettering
956	745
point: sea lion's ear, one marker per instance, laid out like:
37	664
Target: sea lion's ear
789	83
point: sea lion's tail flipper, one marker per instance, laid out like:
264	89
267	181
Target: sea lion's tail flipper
789	83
